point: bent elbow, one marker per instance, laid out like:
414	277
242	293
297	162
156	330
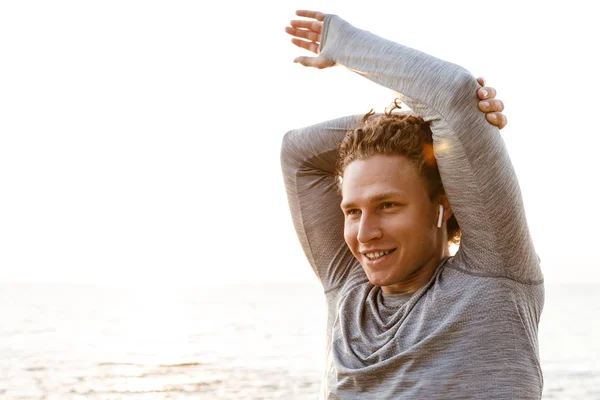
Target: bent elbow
288	148
464	87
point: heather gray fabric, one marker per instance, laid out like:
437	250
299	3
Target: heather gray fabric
471	332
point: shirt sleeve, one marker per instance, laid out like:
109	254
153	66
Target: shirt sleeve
476	170
308	161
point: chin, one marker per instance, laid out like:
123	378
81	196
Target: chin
380	279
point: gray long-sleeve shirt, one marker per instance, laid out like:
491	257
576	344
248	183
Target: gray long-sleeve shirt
471	332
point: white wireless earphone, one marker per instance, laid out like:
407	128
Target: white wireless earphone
440	216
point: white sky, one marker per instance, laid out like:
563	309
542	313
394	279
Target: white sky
139	140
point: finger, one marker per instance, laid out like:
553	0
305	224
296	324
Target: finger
491	105
306	61
302	33
319	16
311	25
486	93
310	46
481	80
315	62
497	119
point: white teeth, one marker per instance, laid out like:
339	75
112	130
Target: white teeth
377	254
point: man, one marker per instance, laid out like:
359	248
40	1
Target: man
405	319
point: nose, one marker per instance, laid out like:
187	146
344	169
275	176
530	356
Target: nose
368	228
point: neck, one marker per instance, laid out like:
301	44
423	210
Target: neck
419	277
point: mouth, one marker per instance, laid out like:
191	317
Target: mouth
378	255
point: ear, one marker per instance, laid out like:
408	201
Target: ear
447	207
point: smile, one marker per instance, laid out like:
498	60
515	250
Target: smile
377	254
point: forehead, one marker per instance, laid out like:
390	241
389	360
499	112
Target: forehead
379	174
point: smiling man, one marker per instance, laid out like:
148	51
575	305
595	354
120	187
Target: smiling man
405	319
389	220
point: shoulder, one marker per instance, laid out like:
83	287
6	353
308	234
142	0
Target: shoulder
459	284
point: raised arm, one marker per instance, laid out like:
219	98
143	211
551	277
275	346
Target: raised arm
477	173
308	159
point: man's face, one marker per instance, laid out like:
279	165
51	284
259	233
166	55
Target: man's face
391	222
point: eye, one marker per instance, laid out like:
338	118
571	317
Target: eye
353	211
388	204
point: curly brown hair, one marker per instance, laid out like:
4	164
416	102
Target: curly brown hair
401	134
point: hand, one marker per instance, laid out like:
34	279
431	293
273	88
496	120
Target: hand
491	106
311	31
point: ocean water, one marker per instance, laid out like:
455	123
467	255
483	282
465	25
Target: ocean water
72	342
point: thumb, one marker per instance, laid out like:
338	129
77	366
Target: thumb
315	62
306	61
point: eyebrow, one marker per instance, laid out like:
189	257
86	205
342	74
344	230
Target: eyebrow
374	199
